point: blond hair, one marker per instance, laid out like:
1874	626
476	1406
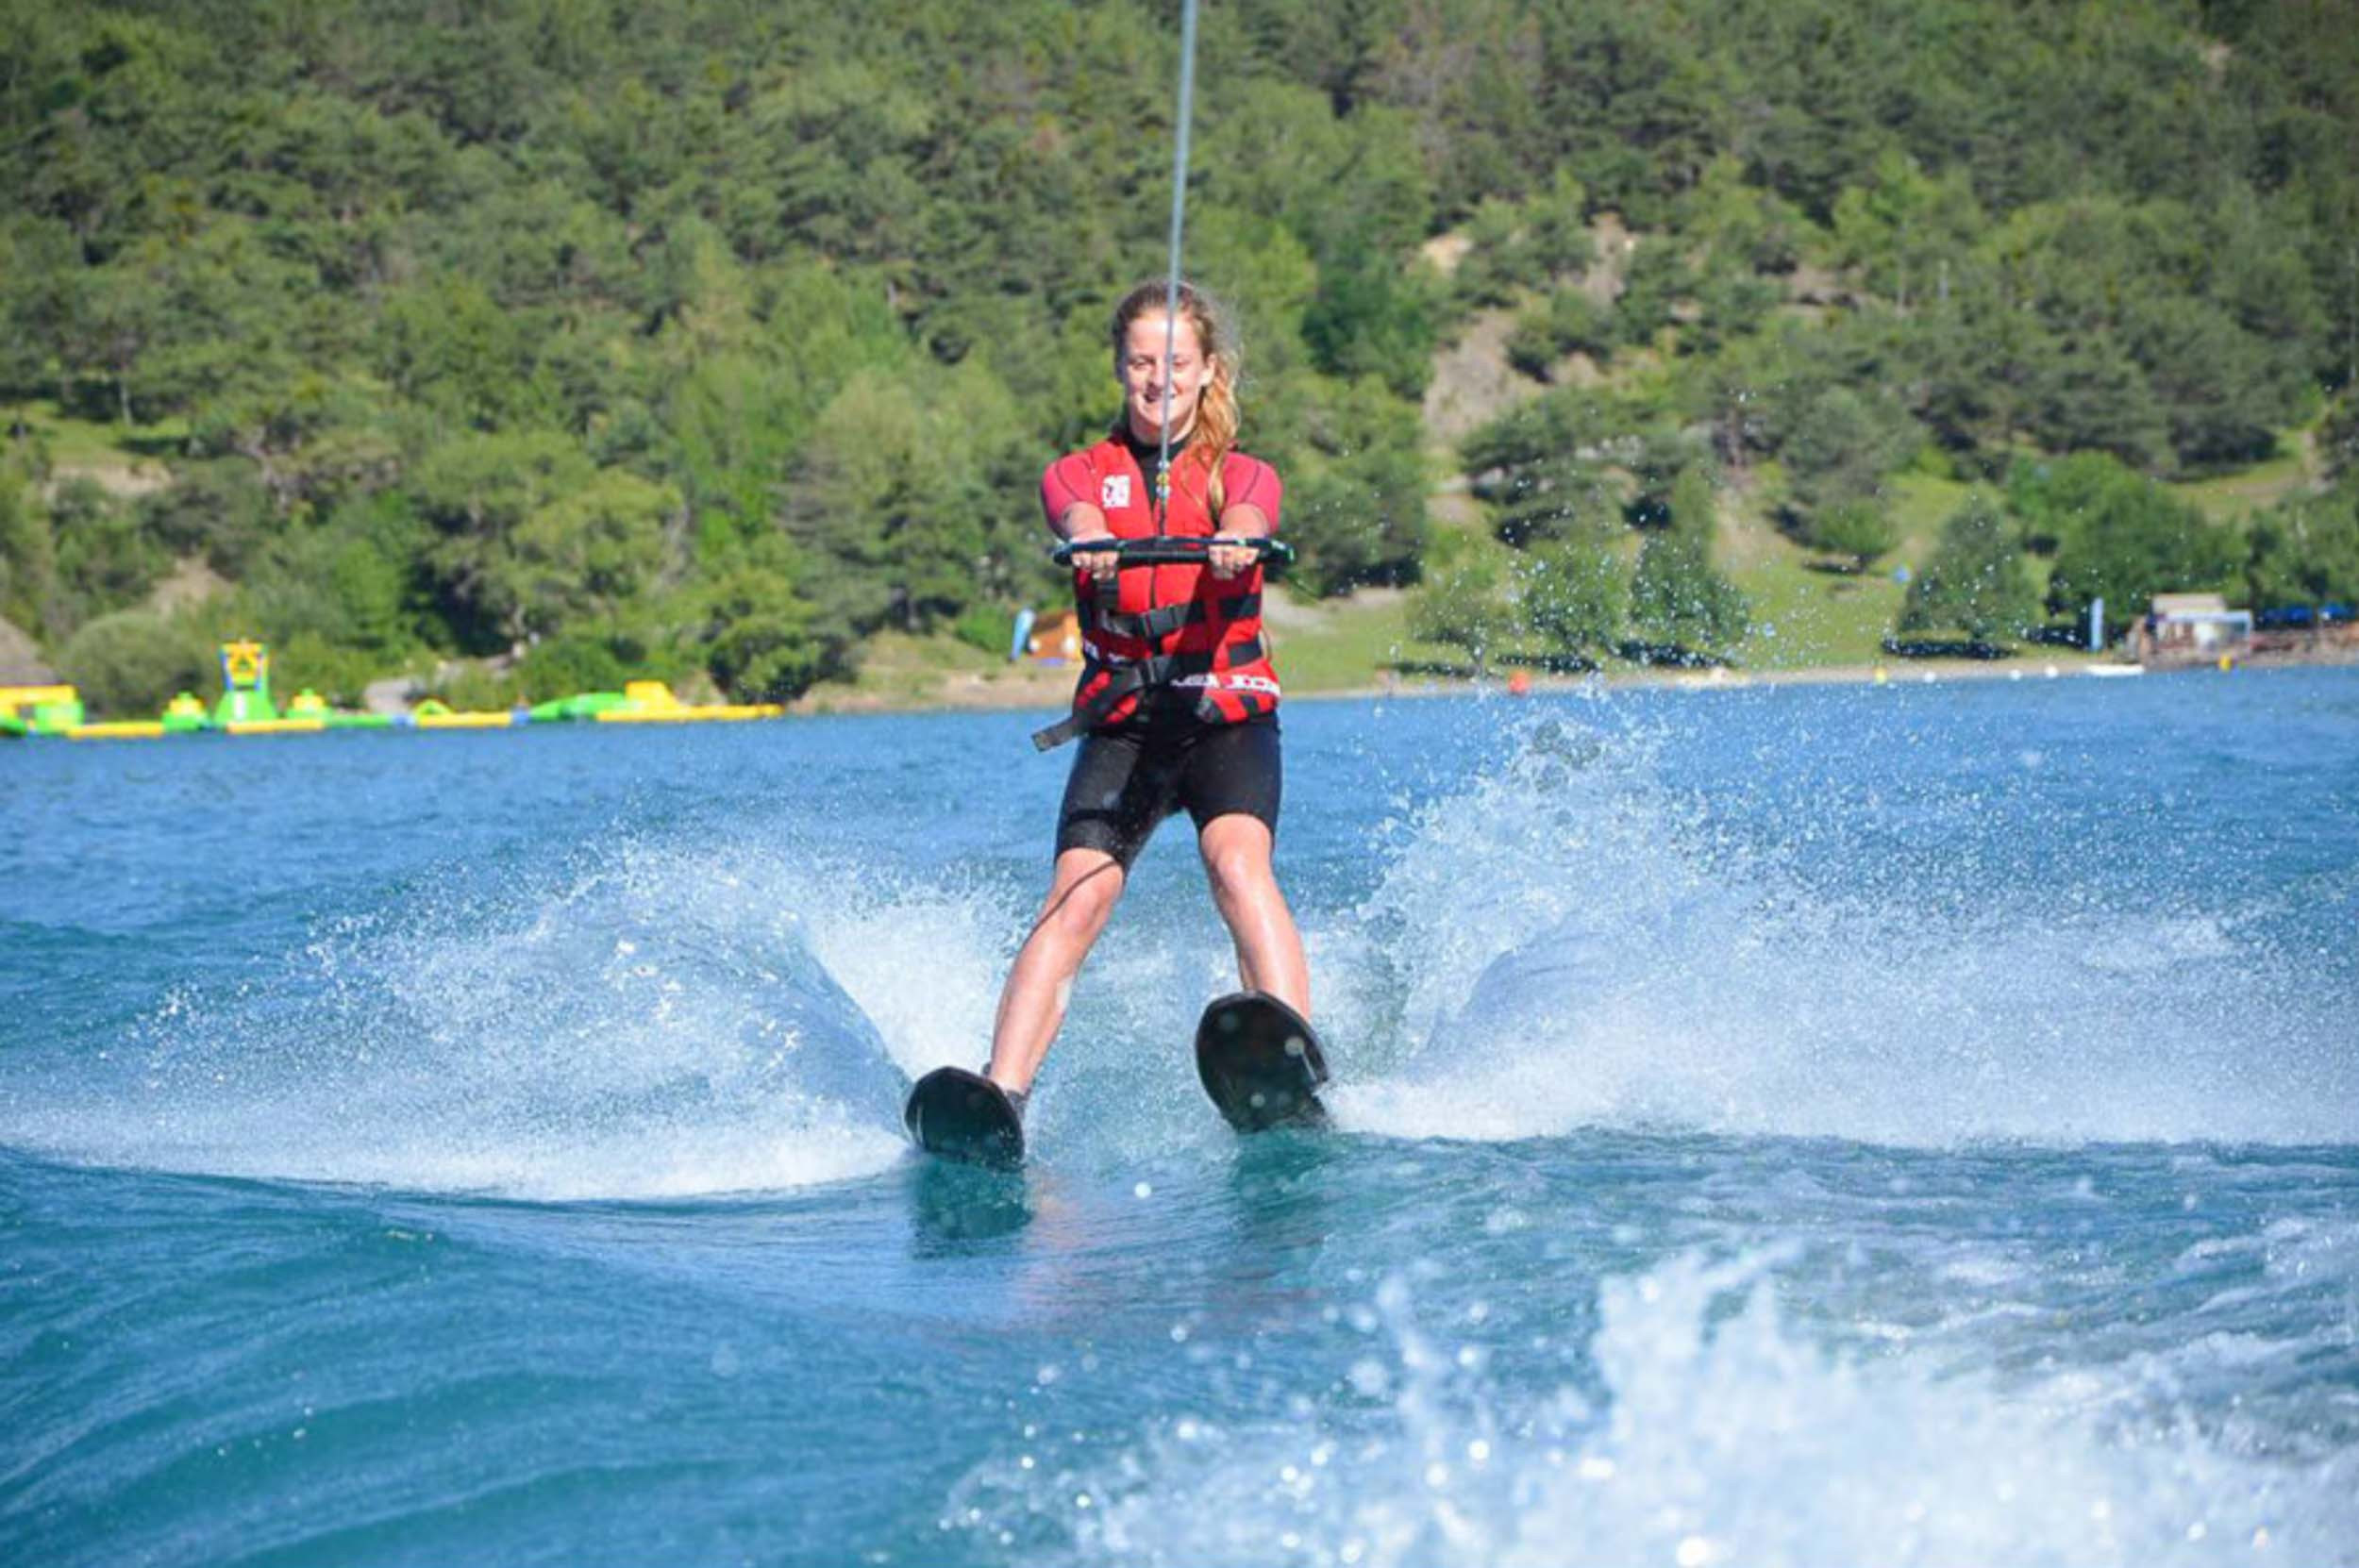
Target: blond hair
1215	434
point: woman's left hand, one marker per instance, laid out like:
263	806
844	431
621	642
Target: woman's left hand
1228	559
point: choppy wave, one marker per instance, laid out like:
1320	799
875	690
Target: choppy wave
1573	944
1723	1435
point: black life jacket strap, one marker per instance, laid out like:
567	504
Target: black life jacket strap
1138	677
1153	625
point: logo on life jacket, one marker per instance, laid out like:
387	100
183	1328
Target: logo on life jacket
1229	683
1114	490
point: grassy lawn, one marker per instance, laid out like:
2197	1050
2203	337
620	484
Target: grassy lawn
83	443
897	667
1805	615
1347	643
1802	617
2228	497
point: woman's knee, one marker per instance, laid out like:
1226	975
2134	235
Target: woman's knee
1080	905
1238	863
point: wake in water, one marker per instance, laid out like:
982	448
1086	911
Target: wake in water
658	1023
1563	941
1568	942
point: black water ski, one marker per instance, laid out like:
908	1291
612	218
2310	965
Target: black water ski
955	1114
1260	1062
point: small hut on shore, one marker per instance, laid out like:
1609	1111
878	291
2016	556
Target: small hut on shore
2191	629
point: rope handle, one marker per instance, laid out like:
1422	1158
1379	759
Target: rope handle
1173	550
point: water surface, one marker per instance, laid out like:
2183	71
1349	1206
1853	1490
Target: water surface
1915	1125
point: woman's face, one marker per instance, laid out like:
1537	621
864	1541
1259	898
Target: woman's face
1140	368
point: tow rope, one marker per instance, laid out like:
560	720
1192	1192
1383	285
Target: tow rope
1178	231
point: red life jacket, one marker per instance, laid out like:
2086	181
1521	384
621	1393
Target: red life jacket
1175	626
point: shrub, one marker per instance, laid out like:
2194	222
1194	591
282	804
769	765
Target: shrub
340	675
1859	529
566	665
990	628
129	664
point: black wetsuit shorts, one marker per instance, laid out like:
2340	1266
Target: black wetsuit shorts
1127	778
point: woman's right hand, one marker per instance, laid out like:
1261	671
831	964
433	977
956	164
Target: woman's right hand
1102	565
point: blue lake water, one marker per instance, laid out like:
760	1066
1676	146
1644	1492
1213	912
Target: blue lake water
1782	1125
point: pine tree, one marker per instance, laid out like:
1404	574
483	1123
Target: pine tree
1976	583
1679	601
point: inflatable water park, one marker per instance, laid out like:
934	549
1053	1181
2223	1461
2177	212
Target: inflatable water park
245	707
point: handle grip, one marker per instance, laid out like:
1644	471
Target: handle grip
1173	550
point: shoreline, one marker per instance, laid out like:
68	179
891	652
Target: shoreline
1049	688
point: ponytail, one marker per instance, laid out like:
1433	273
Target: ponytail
1215	432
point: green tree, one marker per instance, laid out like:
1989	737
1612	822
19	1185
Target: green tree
1373	318
216	510
2222	392
1533	244
1355	509
588	553
894	499
1857	531
2091	396
1569	321
1576	597
448	346
767	642
308	661
2132	541
1903	230
1976	583
1972	354
1544	467
104	561
2338	439
1839	446
1657	279
119	313
1746	226
2052	495
478	493
1679	603
30	591
1468	599
2305	552
570	663
39	271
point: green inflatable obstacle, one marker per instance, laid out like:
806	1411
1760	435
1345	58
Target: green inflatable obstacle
588	704
360	721
244	686
185	715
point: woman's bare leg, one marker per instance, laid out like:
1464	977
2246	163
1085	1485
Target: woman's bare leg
1236	850
1081	894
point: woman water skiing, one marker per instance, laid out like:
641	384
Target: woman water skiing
1177	706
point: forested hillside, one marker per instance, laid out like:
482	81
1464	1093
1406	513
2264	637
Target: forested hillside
708	340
